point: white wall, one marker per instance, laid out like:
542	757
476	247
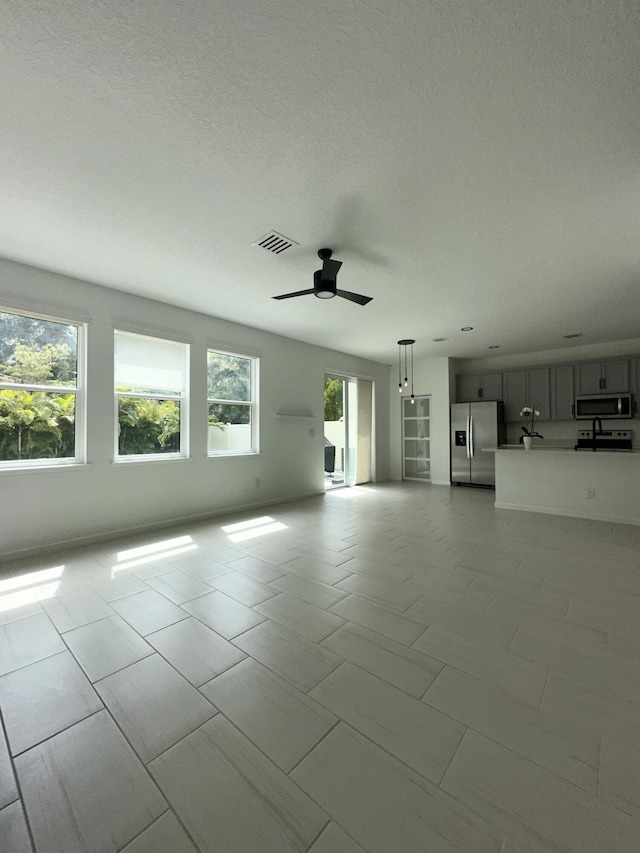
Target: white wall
55	506
566	355
431	376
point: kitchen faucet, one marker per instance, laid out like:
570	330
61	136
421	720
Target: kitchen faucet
594	433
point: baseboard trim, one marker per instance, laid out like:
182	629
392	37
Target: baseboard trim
96	538
546	510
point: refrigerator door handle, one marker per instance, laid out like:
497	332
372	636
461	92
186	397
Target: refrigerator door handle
468	437
471	447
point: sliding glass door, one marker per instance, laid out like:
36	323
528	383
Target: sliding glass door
347	431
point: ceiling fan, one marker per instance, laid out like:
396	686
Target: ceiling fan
324	283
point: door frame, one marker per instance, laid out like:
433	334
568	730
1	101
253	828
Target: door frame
347	377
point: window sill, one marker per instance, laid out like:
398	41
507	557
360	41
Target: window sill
126	462
55	468
235	454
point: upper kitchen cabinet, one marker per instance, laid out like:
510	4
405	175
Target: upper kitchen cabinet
473	388
526	388
597	377
562	392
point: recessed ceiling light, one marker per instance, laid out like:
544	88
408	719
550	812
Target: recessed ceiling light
495	346
574	335
439	340
467	329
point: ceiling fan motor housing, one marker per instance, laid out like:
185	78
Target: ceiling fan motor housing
323	289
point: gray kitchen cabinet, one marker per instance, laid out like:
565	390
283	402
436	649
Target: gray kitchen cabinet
473	388
539	391
492	386
616	376
562	392
526	388
514	384
597	377
635	378
468	388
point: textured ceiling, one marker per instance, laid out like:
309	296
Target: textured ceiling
471	163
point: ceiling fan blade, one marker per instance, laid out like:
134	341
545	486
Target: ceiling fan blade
330	269
291	295
354	297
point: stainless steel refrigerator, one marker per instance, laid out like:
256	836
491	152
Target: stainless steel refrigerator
475	426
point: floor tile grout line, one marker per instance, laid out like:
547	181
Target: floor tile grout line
18	784
142	831
31	663
266	666
411	770
544	689
261	751
528	760
61	731
150	775
120	668
317	838
434	681
309	751
380	677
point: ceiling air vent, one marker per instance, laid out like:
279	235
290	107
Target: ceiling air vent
439	340
574	335
275	243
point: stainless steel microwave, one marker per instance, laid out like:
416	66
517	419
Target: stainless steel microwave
606	406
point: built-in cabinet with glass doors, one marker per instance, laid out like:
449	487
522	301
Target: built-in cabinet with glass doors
416	435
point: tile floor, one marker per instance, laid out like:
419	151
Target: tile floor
390	668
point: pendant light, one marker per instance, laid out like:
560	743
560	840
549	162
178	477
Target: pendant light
408	360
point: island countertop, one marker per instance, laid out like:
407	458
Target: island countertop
555	448
562	481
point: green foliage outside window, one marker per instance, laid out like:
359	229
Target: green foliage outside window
148	426
333	399
228	378
34	423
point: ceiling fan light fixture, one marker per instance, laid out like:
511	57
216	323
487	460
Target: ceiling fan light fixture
325	283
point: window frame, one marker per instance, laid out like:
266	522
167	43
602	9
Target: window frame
182	397
78	390
251	403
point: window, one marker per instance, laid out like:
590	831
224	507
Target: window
41	379
151	379
231	397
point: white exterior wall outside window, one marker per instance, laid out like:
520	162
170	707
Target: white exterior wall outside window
42	382
232	382
151	401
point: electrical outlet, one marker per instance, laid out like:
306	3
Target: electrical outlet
257	482
591	494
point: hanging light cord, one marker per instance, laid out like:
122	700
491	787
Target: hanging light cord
413	399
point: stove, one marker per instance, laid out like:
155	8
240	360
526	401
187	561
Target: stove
615	439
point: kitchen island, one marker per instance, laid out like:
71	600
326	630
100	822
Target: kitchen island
603	486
